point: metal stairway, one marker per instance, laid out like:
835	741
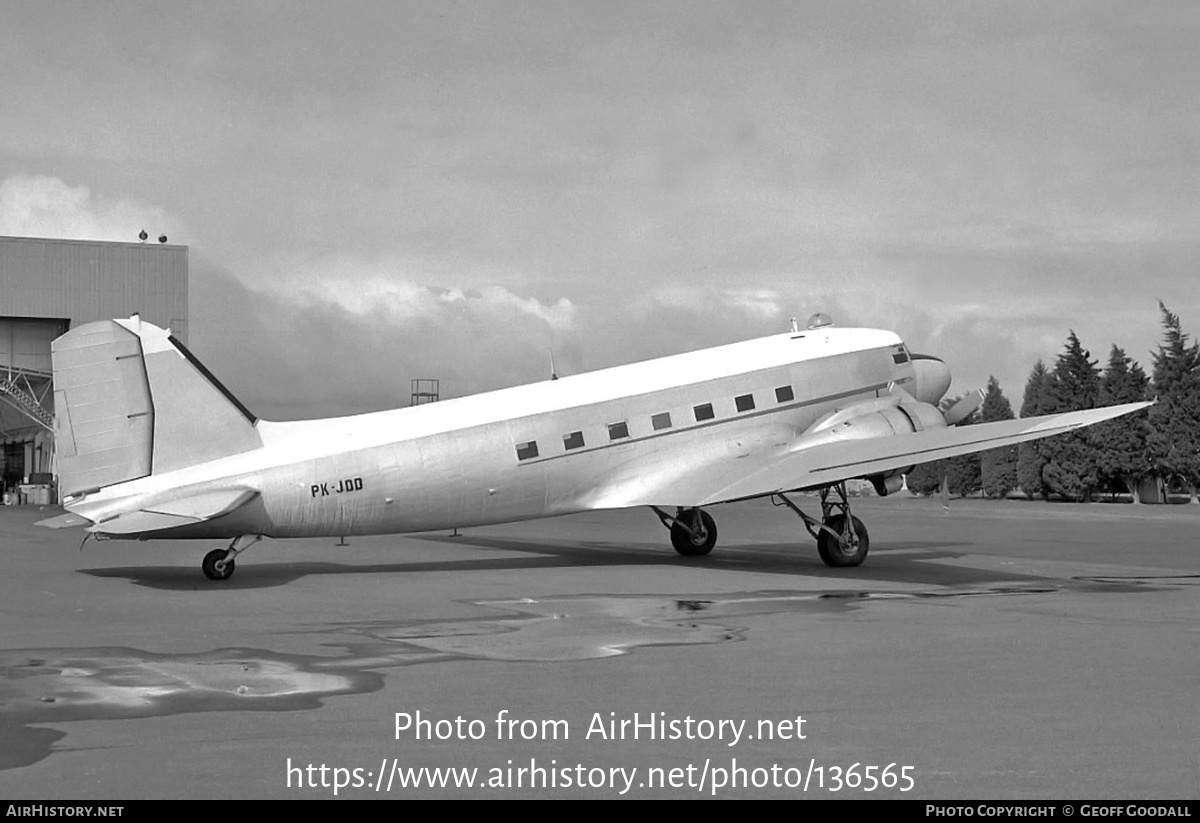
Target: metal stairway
26	402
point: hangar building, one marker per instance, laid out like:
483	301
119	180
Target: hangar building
47	287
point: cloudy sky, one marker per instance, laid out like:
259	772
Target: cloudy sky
376	191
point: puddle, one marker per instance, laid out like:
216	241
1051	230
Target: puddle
39	686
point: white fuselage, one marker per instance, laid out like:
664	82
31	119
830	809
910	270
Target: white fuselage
468	461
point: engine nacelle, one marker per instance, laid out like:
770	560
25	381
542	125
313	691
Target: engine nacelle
924	415
882	417
888	482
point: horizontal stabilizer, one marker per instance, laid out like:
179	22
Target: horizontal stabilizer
207	505
170	514
140	522
63	521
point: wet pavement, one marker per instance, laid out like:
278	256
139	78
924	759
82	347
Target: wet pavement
1007	650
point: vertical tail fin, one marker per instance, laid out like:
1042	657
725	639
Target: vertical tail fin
131	401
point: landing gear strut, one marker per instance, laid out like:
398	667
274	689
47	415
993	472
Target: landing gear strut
842	538
218	563
693	531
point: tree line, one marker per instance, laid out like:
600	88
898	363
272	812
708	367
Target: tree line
1160	444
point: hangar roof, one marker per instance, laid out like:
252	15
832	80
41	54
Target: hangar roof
84	280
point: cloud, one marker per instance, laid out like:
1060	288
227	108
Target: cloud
350	341
760	304
40	206
400	299
401	291
344	333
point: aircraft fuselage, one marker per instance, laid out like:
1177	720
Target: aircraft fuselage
582	442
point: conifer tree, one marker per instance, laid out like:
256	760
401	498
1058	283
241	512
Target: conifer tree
925	478
1077	380
963	474
997	467
1038	400
1071	467
1175	417
1121	445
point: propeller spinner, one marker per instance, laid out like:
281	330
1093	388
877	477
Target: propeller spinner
932	383
932	378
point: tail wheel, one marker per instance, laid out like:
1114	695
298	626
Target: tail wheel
212	570
850	550
700	540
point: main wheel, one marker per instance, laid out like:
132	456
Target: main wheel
210	565
836	553
700	542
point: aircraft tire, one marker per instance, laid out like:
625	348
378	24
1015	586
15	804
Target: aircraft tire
687	545
209	566
831	550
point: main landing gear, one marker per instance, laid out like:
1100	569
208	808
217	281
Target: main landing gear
842	538
218	563
693	531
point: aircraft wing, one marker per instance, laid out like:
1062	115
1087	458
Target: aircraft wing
797	466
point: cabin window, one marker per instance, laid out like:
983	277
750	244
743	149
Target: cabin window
618	430
900	357
527	450
784	394
744	402
661	421
703	412
574	440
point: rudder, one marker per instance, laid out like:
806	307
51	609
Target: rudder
103	415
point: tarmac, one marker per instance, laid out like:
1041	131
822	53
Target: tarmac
990	650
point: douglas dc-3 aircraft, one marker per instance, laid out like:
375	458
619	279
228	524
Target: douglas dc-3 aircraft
150	445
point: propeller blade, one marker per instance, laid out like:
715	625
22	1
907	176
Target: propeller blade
963	408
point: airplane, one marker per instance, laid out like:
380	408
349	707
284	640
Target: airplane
149	444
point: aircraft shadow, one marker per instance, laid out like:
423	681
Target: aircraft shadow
913	566
917	564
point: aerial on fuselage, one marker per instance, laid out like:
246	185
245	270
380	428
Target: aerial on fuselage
151	445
